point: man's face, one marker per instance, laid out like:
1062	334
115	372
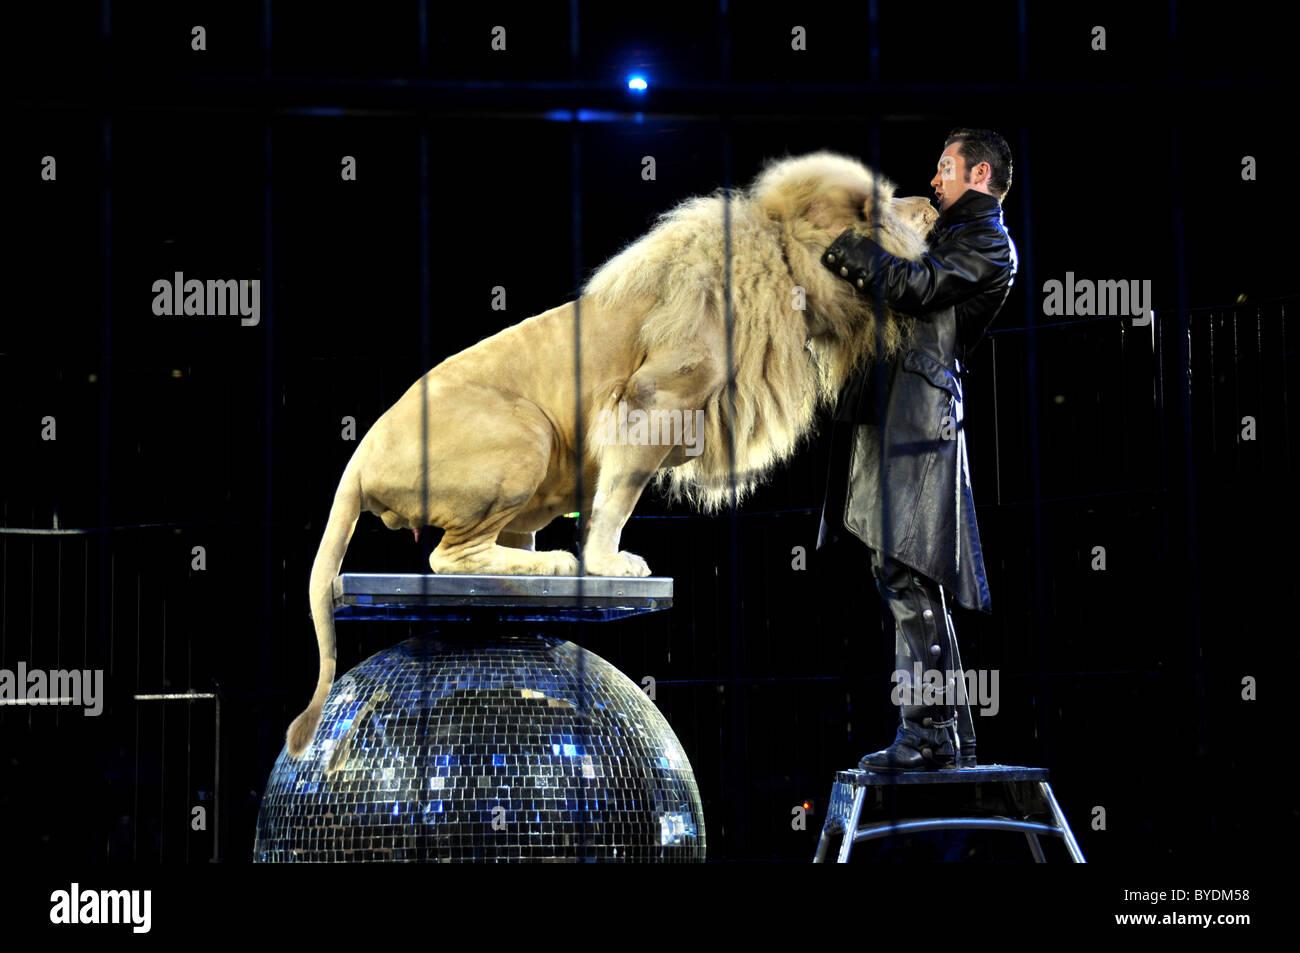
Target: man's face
953	179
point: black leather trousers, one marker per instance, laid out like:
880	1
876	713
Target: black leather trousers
925	641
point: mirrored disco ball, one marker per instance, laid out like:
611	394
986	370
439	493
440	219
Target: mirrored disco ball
504	747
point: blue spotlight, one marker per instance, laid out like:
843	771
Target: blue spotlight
636	82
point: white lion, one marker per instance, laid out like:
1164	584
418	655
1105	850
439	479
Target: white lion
497	458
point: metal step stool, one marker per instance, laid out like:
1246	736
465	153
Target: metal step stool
996	797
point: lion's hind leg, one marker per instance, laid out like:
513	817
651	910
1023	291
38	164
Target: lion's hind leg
516	470
497	560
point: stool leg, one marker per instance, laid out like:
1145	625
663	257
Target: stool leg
822	844
1058	816
851	828
1035	848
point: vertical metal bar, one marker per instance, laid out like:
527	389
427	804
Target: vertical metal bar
135	814
135	811
886	622
1286	389
997	445
1124	327
425	358
582	523
58	609
873	44
1191	562
873	148
1261	464
1022	48
966	740
422	33
189	735
739	718
583	520
1236	400
85	604
1212	390
878	375
268	394
724	35
106	329
162	746
574	36
216	780
112	611
4	588
31	611
425	355
1160	418
1038	556
1173	38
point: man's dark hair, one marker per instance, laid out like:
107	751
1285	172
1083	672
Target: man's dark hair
984	145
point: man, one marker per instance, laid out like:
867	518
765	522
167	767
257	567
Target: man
908	493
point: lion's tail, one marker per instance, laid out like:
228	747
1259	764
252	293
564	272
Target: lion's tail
344	514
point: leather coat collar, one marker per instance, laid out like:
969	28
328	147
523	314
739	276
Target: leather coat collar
972	204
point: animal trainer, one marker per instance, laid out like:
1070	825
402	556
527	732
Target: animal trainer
907	494
489	444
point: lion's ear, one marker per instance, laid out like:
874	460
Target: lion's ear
823	212
868	207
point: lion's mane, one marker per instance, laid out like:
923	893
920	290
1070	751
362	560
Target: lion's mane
763	243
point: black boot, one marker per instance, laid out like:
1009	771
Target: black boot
924	639
916	748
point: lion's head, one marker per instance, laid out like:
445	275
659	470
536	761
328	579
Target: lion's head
813	197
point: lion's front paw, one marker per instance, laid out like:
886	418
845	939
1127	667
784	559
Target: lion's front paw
616	564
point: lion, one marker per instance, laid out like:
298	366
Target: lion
505	422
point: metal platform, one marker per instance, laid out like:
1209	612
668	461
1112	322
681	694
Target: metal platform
1002	797
975	775
416	596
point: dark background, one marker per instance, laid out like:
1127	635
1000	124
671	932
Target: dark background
522	169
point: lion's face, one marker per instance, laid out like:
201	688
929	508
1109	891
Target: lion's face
898	224
916	212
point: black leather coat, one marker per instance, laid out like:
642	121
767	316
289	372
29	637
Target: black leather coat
922	512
